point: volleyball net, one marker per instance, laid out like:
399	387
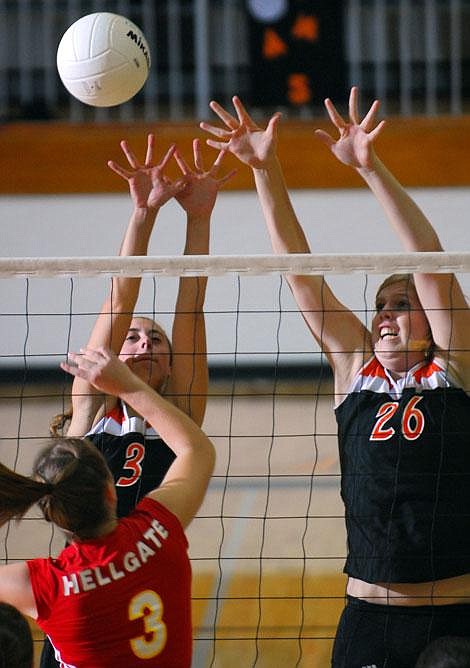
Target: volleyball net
268	544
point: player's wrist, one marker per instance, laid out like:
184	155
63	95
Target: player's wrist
373	167
268	165
145	214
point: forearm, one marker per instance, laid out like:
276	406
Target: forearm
139	229
190	376
136	239
405	217
86	403
197	234
116	313
191	291
189	315
284	229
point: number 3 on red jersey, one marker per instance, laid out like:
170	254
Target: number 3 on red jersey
148	606
412	421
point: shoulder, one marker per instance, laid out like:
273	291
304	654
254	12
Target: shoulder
458	374
39	567
151	509
359	374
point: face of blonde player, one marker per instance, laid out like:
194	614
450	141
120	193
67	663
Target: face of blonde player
146	351
401	335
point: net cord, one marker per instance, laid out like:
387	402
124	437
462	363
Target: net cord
210	265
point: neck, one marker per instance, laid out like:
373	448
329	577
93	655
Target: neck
398	364
101	531
396	374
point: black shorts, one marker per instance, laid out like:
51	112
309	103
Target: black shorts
48	659
393	636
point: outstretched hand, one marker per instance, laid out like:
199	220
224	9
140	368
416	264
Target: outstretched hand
355	144
247	141
148	185
201	187
102	369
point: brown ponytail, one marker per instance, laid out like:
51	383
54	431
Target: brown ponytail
18	493
58	423
69	481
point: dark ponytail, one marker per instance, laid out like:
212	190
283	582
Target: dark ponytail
69	481
18	493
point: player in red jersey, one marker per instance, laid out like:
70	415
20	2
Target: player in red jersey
119	594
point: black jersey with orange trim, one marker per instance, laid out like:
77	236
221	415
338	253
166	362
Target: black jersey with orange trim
135	453
405	459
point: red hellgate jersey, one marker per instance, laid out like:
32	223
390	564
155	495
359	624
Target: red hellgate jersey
123	600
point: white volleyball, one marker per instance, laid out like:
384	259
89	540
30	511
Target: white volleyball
103	59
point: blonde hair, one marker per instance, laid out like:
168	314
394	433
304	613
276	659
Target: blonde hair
396	278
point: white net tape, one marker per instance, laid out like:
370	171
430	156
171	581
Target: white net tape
210	265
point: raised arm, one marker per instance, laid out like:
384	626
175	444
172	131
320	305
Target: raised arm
339	332
188	384
355	148
184	486
440	294
150	189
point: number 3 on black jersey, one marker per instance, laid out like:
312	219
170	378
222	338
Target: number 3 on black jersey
135	453
412	421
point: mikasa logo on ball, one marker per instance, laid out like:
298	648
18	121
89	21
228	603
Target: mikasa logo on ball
103	59
142	46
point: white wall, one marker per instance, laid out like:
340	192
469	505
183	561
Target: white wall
91	225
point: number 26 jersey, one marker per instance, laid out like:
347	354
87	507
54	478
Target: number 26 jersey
405	461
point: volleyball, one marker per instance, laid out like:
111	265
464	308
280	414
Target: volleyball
103	59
